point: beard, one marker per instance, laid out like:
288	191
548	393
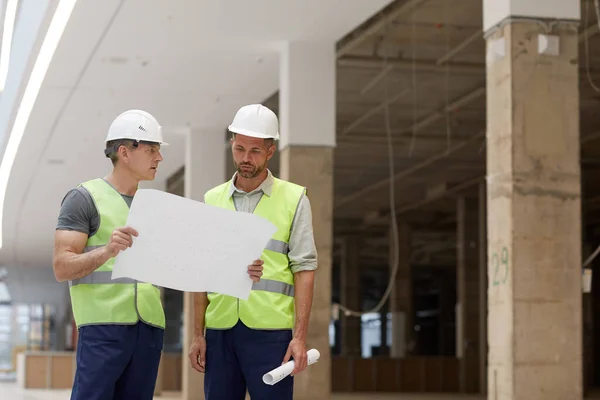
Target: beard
253	172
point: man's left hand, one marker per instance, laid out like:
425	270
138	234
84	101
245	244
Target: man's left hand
255	270
297	350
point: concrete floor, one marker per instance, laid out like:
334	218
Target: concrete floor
12	392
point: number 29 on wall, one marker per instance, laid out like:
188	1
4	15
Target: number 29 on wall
500	268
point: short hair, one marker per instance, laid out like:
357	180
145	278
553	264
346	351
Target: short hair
114	146
268	142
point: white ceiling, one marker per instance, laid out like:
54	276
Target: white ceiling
189	62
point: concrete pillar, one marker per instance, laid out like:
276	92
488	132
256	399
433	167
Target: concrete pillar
383	331
173	311
467	288
350	296
534	218
307	125
205	151
588	324
483	287
401	301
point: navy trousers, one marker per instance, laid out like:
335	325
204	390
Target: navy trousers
117	362
237	359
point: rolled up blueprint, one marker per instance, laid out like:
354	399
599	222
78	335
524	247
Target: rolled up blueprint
274	376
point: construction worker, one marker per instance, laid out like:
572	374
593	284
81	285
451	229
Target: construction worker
237	341
120	322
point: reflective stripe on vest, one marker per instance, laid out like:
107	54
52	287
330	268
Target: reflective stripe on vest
277	246
268	285
102	278
97	299
271	301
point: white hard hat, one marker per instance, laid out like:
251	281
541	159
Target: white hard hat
257	121
136	125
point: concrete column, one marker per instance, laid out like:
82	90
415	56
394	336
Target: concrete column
307	125
467	326
534	195
383	331
205	151
350	296
588	324
401	301
483	278
173	311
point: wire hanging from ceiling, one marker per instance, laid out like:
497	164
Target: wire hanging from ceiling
415	97
395	256
395	239
447	74
587	41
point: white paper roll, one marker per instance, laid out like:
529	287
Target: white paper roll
274	376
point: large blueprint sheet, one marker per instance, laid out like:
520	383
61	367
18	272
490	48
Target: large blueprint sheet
191	246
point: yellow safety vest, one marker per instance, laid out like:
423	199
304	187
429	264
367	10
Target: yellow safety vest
96	298
271	301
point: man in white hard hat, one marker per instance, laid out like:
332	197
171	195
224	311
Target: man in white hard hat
121	322
246	339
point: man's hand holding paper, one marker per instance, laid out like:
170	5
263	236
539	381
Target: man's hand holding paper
255	270
120	240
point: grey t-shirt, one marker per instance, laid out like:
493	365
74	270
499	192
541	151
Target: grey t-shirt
78	212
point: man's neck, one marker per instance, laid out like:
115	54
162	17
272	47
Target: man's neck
250	184
123	182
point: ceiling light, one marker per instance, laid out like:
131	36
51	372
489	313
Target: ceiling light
10	15
38	73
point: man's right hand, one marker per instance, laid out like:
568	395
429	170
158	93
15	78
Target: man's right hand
120	240
198	354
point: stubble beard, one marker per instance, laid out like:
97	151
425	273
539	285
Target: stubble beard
250	174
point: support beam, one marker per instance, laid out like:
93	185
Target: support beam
456	104
475	69
497	11
478	35
534	203
409	171
378	78
373	111
378	138
307	95
441	64
483	279
466	185
350	296
450	191
307	115
588	138
590	31
468	293
404	7
401	302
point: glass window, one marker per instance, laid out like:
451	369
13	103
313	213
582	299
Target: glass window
371	333
4	293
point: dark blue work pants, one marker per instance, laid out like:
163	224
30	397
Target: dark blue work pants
117	362
237	359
